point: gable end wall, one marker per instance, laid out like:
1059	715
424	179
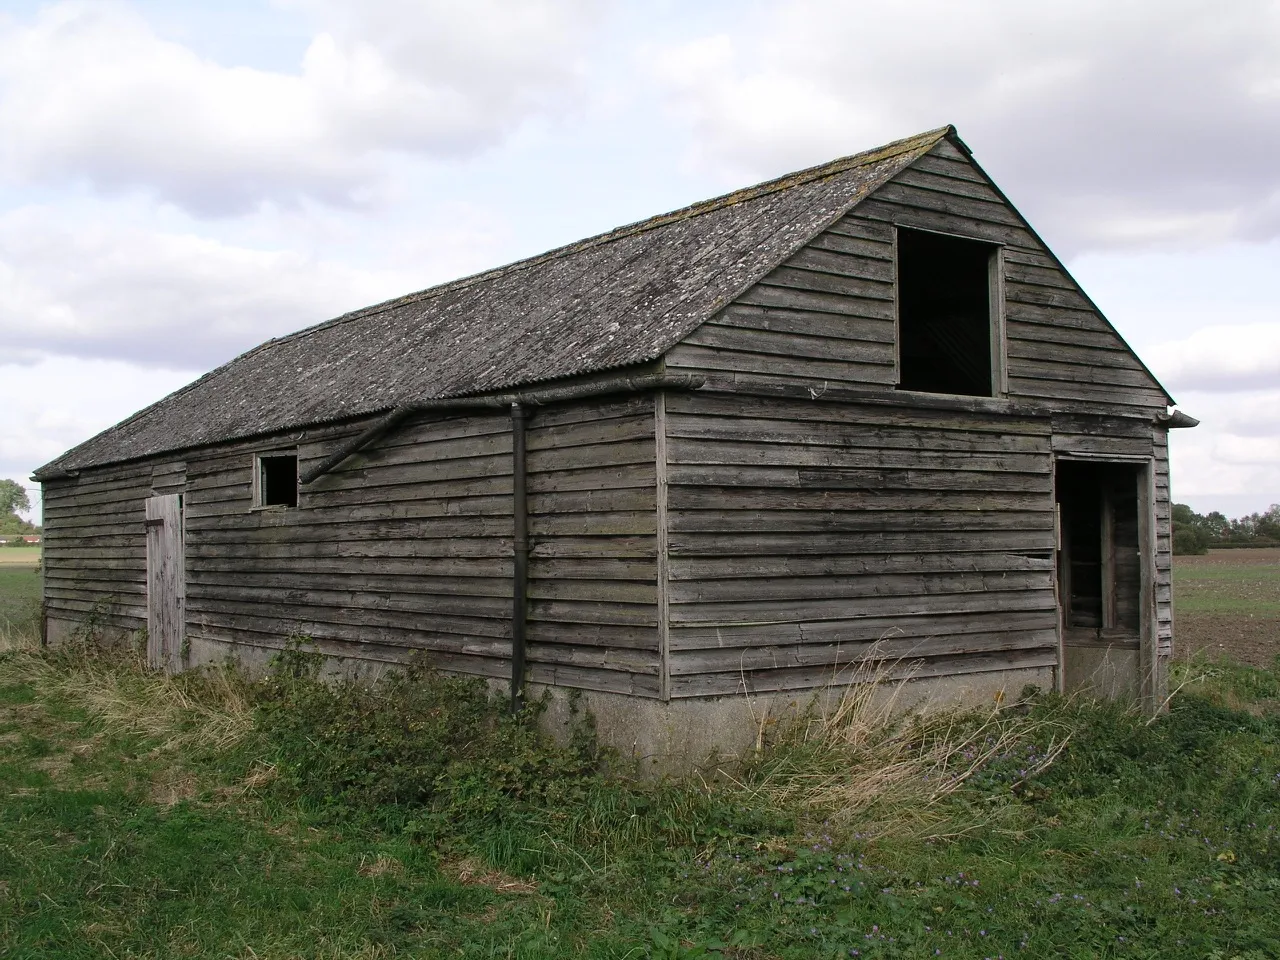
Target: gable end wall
826	316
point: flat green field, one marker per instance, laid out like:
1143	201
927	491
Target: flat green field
19	556
19	590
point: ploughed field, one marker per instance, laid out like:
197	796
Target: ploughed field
1227	603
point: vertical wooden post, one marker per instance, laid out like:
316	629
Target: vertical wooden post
1108	559
897	314
520	550
1061	593
999	348
664	608
1150	686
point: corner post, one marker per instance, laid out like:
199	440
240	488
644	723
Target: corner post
663	561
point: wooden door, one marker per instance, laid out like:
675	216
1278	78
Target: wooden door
166	583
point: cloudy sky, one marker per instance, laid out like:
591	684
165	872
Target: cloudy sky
181	180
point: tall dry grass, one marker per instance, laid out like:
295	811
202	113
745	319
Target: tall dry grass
209	709
860	756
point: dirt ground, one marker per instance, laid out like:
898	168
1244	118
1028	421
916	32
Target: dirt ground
1227	603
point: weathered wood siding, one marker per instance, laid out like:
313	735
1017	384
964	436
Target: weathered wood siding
593	607
404	547
1059	348
827	314
95	547
802	532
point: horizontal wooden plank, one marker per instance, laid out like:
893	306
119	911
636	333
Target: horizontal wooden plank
716	568
1038	332
877	541
745	659
939	221
840	262
709	451
952	168
819	500
855	521
876	368
852	225
1016	291
879	329
582	611
1101	446
618	635
1083	373
836	478
797	277
762	295
606	681
1101	397
789	344
586	548
911	627
591	432
915	586
731	614
265	526
1046	352
820	432
704	403
594	658
918	176
355	621
984	208
809	678
594	477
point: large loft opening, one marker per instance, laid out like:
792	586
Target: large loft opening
945	315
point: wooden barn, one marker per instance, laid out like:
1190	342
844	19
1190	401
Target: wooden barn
684	466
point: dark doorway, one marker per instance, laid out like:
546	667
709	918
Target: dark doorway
944	313
1099	572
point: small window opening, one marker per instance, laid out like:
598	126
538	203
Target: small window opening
1099	565
278	480
944	314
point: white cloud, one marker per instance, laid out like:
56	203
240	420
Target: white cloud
1231	462
89	92
1116	123
1228	359
100	289
58	402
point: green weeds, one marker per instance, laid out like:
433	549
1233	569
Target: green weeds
297	817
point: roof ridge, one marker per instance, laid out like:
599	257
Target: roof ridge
755	191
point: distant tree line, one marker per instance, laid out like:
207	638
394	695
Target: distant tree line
1193	533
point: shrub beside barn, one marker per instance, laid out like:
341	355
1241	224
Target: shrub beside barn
689	467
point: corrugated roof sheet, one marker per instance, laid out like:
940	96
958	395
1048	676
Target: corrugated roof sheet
614	300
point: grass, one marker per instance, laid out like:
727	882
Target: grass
206	816
1240	582
19	591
